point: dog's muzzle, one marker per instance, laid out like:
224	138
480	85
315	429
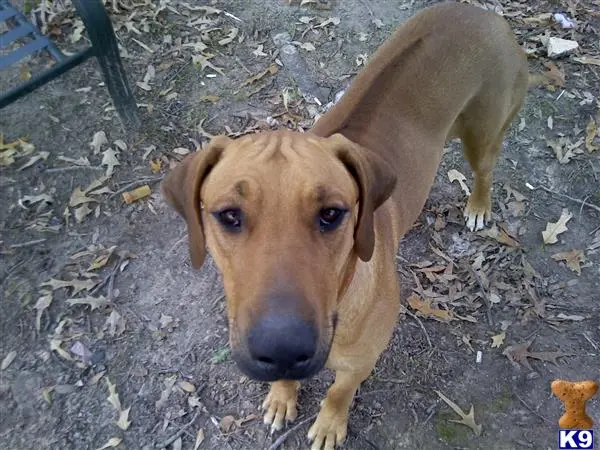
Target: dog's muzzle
281	347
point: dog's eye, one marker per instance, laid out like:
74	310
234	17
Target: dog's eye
330	218
230	218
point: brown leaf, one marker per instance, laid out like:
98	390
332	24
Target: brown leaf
499	234
155	165
210	98
554	75
573	258
519	353
272	69
226	423
424	309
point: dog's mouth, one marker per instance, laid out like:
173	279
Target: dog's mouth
283	367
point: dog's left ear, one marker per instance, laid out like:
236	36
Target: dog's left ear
181	187
376	182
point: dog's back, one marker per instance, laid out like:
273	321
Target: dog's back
453	70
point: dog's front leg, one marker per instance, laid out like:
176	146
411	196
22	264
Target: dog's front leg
280	404
330	427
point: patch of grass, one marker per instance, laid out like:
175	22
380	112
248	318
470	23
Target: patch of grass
445	430
220	356
451	432
30	5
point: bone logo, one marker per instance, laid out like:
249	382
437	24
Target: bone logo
576	425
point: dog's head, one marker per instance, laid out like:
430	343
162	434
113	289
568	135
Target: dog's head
285	216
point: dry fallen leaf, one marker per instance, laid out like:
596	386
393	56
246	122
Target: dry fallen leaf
76	285
307	46
259	51
82	212
112	443
40	156
573	258
113	396
203	62
92	302
230	37
78	197
208	98
226	423
499	234
591	133
8	359
56	346
123	422
498	340
101	260
455	175
553	229
465	419
330	21
199	438
155	165
109	159
272	70
424	309
519	353
115	324
40	306
554	75
98	141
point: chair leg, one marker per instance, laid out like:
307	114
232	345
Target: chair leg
102	35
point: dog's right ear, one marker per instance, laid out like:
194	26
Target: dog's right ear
181	187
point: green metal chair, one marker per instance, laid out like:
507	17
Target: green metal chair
103	47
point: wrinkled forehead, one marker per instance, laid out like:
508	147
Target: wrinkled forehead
289	163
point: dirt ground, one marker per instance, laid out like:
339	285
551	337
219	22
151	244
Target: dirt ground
148	328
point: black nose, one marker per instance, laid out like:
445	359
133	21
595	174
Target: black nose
282	347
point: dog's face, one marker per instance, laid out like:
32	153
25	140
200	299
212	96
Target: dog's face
285	216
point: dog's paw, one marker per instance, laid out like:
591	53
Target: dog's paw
280	404
329	429
477	215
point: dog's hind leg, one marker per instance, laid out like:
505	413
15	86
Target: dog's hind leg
482	141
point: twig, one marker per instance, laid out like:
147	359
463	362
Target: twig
180	433
28	243
573	199
531	409
135	184
414	316
281	439
72	168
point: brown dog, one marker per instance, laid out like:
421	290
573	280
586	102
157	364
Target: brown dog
305	227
